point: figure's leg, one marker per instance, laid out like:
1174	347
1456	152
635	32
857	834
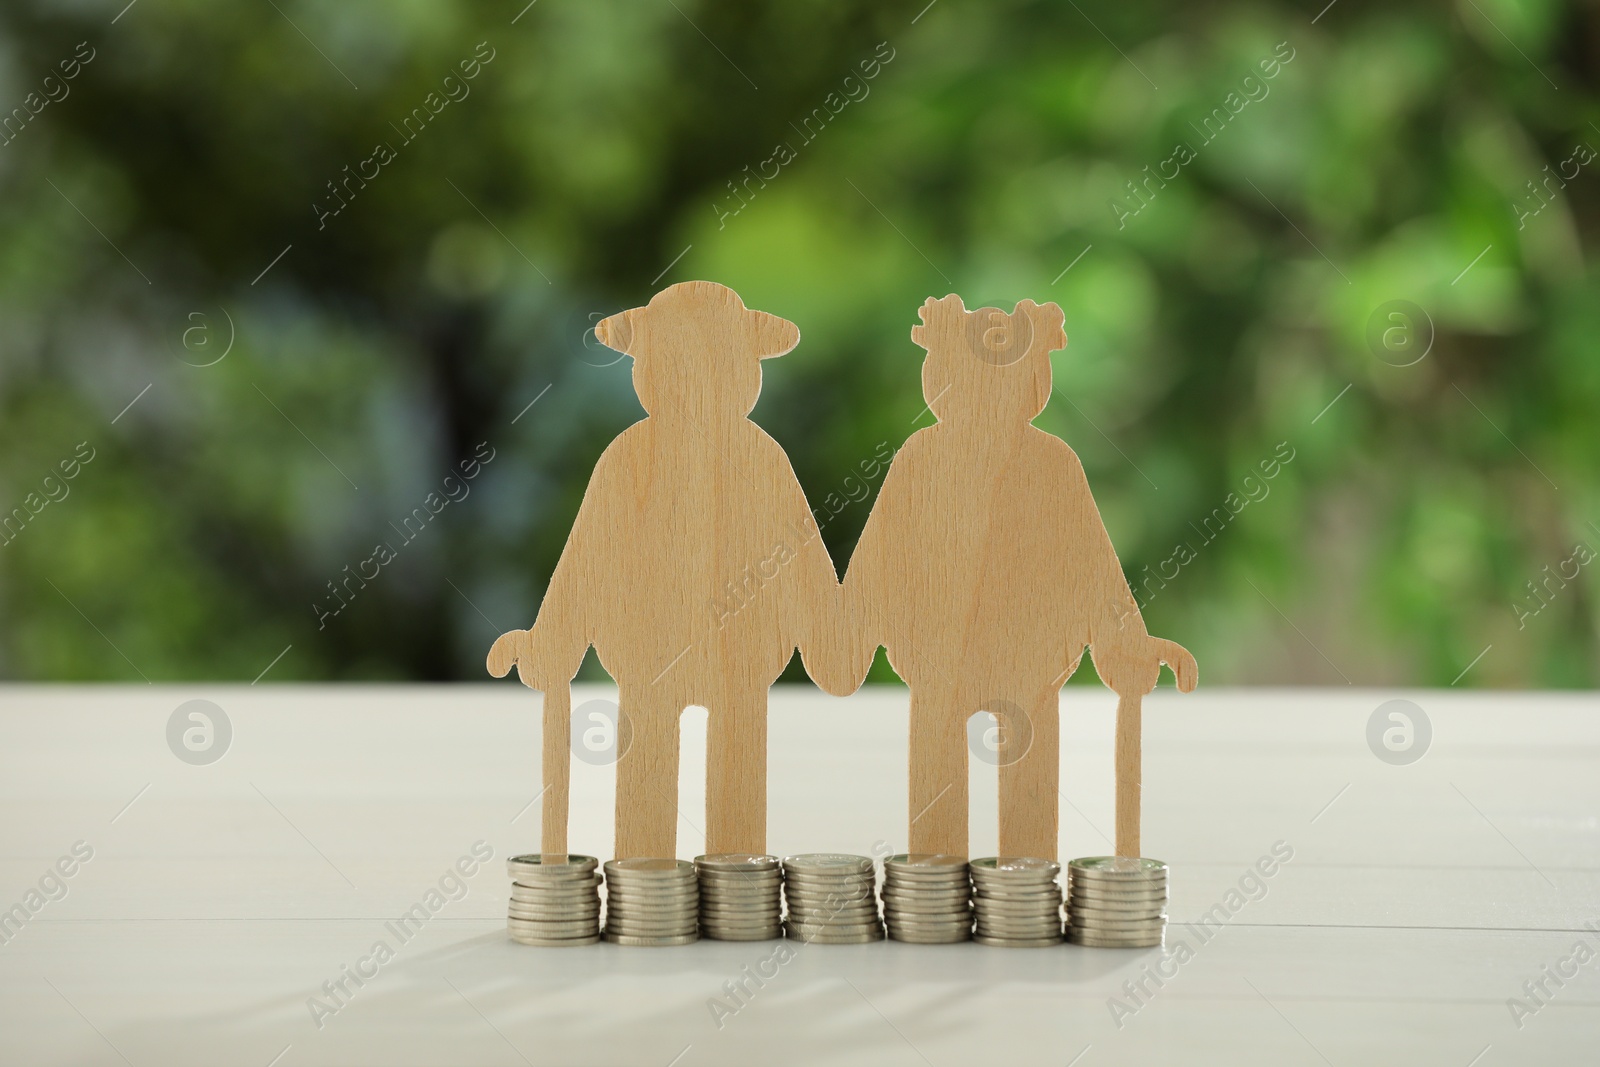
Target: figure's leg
1030	781
736	773
938	809
647	775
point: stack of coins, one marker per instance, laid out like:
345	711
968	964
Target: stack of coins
739	897
1116	902
927	899
651	902
1018	902
555	904
832	899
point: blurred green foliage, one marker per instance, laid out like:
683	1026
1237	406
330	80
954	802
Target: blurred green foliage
1213	316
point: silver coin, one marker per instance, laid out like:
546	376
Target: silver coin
520	912
769	934
742	933
651	942
753	918
710	879
655	922
1117	876
1154	911
996	926
573	900
834	912
650	930
651	867
929	929
675	902
628	897
659	915
551	929
829	912
1014	867
834	939
827	861
990	916
534	864
831	904
737	861
554	942
959	892
1013	942
997	921
934	939
1090	892
1078	937
1018	892
1120	926
556	909
1119	899
660	918
1117	867
1022	930
901	915
855	926
653	889
926	875
902	907
823	892
926	861
824	887
575	889
768	901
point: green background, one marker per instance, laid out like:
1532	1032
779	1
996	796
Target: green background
1388	160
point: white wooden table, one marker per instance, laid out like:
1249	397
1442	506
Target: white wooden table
220	898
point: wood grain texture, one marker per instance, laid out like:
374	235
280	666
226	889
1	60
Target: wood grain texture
985	571
694	569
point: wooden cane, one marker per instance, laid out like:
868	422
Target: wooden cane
557	774
1129	728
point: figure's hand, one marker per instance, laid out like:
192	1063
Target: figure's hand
1131	668
516	649
1184	668
840	668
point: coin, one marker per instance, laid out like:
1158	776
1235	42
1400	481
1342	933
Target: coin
1118	867
1015	867
1091	940
737	861
1078	892
533	864
1009	942
1143	911
769	934
826	861
576	928
554	914
554	942
829	938
651	942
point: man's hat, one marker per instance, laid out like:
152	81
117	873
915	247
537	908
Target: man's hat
700	317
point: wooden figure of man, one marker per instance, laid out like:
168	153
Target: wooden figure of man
694	569
985	570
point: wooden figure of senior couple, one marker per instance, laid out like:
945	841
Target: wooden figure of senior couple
984	570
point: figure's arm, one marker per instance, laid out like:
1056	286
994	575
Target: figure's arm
1125	656
866	594
548	655
822	633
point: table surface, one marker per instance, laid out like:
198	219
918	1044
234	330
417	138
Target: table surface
1418	902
